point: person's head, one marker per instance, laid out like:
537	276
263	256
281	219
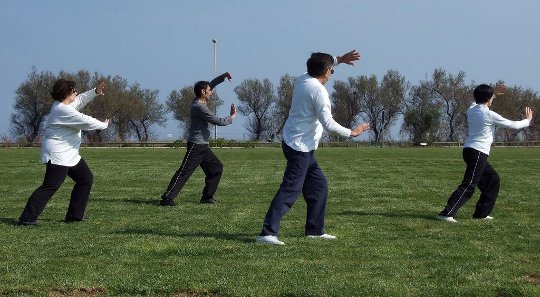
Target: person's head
483	93
320	65
202	89
63	89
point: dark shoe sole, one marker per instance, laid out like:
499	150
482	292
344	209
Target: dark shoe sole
26	223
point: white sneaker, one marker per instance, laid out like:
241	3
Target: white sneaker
269	239
486	218
324	236
446	219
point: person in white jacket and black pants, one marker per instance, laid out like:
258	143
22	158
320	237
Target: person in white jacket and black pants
60	152
479	173
309	115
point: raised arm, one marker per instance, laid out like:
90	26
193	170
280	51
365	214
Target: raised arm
83	99
216	81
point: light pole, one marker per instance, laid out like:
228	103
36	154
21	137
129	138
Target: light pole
382	130
214	41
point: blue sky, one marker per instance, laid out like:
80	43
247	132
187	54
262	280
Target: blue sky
166	45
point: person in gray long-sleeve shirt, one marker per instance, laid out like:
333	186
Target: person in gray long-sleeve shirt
198	152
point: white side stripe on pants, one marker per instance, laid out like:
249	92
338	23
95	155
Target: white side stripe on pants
470	182
181	169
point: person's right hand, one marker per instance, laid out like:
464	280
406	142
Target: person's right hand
528	113
359	129
106	121
228	76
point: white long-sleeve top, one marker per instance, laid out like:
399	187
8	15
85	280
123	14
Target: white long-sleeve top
482	123
310	113
63	130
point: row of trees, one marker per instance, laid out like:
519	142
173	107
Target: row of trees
434	109
131	109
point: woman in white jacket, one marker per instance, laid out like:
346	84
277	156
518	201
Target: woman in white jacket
60	152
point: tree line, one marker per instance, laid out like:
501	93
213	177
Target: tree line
434	109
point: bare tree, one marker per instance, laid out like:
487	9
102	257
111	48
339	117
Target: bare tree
421	113
345	106
179	104
283	102
256	102
32	104
380	102
147	110
456	97
392	91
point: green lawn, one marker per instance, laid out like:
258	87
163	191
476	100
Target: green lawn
381	207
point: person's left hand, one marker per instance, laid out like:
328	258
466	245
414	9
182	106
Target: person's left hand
228	76
233	111
349	57
100	89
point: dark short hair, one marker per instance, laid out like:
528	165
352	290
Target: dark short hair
482	93
318	63
62	89
199	87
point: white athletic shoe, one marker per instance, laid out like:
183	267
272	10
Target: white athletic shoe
324	236
269	239
486	218
446	219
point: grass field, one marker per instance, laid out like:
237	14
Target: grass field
381	207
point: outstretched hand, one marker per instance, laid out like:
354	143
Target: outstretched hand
359	129
233	111
349	58
100	89
228	76
528	113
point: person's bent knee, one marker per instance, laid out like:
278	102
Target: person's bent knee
87	180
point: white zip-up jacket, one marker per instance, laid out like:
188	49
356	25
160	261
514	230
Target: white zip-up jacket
63	130
482	123
310	113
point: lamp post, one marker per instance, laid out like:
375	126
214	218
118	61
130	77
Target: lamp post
214	41
382	130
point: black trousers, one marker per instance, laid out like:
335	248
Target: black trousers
302	176
54	178
196	155
479	173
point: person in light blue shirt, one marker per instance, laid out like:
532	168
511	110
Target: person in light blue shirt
479	173
309	115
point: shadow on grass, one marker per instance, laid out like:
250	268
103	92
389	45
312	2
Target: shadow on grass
9	221
242	237
389	214
131	200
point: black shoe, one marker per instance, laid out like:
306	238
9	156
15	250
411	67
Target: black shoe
167	202
207	201
71	220
27	223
